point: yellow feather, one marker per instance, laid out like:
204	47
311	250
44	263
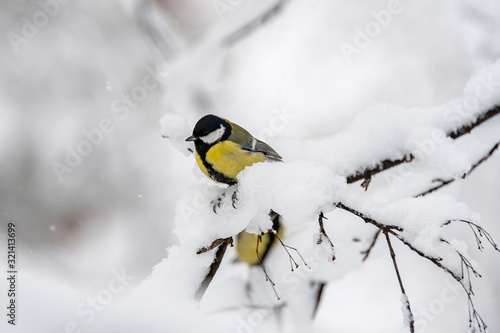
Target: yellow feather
246	246
200	164
229	159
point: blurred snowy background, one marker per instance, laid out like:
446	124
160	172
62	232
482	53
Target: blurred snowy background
89	71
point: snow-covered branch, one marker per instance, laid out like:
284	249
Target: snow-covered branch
311	184
465	128
317	175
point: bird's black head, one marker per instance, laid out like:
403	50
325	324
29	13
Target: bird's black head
210	129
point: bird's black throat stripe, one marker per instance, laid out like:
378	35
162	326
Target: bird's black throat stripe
202	149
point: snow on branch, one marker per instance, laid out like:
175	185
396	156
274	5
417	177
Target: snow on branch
307	189
214	266
315	178
367	174
461	273
443	183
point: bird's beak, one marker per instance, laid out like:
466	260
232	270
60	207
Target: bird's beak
191	138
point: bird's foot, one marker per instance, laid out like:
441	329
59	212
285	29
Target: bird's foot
217	202
234	198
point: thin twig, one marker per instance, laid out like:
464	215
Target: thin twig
451	180
214	266
214	244
407	301
480	233
319	295
475	320
366	218
250	26
382	166
369	249
261	263
322	233
485	157
479	120
443	183
366	182
286	247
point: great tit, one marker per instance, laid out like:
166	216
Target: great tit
222	150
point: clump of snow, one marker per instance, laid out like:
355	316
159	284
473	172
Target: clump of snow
298	190
482	90
387	131
176	127
405	308
326	250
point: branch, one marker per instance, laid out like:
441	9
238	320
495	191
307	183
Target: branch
319	295
286	247
390	229
479	232
443	183
369	220
492	150
451	180
215	243
322	234
255	23
480	119
475	320
261	263
387	164
369	249
411	318
214	266
382	166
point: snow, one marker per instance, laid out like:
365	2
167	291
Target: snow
405	306
176	128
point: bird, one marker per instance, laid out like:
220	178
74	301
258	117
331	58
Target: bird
222	150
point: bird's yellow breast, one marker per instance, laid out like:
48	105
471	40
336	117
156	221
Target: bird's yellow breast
229	159
200	164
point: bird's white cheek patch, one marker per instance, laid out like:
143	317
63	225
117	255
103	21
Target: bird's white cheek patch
214	136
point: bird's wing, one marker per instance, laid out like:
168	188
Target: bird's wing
262	147
249	143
